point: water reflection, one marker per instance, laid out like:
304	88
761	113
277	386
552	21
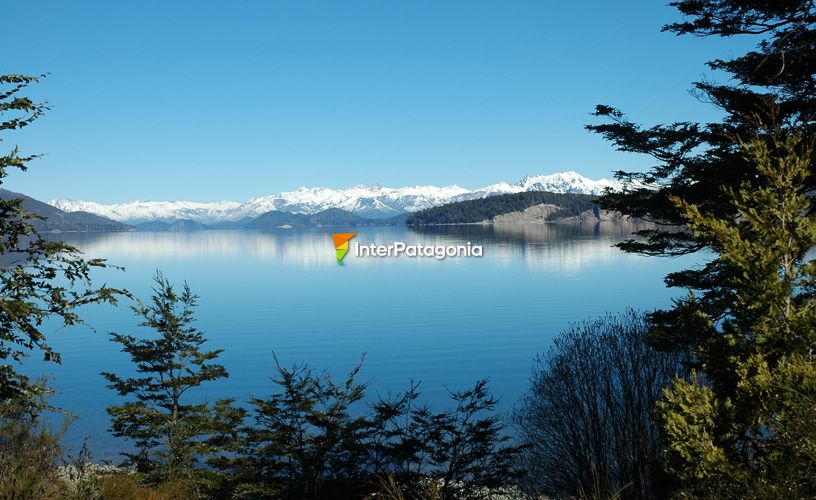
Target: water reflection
538	246
542	247
446	323
535	233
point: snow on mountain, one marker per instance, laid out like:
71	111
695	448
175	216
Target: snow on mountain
567	182
367	201
142	211
562	182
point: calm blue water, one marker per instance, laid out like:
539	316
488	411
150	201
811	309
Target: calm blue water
446	323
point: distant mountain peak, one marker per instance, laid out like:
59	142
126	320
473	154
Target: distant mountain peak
373	201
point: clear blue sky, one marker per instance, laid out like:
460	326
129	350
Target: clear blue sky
226	100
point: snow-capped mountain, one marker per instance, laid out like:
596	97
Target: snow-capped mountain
135	212
562	182
367	201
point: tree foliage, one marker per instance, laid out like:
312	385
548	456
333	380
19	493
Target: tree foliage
314	438
740	188
588	415
750	430
774	85
463	449
29	447
171	433
305	443
40	280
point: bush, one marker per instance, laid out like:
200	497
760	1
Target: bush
29	449
588	415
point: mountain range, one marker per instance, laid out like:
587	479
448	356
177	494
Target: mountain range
370	202
55	219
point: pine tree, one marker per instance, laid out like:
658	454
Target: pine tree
172	435
745	427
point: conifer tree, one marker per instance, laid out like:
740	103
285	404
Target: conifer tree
313	439
307	440
776	81
171	428
745	427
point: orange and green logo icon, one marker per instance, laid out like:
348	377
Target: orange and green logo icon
341	244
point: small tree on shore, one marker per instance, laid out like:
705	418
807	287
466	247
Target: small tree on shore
307	438
469	451
462	452
171	434
313	438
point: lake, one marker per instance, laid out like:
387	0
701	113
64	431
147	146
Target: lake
445	322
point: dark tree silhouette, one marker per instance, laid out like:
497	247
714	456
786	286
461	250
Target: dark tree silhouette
315	438
588	415
772	86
